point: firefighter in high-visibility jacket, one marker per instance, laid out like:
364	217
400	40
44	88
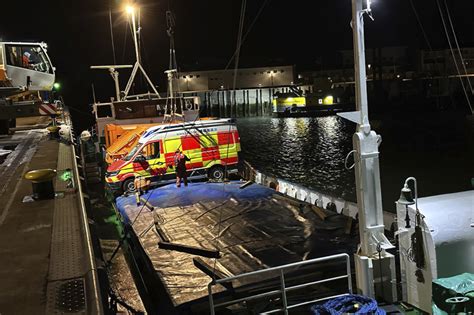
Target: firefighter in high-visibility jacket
180	163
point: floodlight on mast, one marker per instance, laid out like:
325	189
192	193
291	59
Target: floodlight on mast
130	9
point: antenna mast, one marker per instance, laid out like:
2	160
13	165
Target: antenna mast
171	111
131	10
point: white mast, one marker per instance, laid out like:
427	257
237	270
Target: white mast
373	242
131	11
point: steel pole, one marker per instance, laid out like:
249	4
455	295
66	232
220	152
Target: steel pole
135	40
115	76
359	65
367	173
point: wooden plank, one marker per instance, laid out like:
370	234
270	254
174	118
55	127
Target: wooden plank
162	234
213	273
348	227
200	251
319	212
287	199
147	203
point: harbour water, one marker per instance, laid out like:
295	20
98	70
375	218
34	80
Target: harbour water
311	151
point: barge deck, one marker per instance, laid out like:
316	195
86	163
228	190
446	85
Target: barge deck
188	236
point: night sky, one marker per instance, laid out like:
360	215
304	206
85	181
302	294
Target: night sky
305	33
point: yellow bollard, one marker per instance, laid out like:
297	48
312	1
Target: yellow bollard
42	181
53	132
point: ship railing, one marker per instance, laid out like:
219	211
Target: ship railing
93	289
283	288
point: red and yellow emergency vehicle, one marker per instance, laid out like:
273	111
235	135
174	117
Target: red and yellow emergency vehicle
211	145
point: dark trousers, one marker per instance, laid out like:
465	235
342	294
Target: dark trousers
181	174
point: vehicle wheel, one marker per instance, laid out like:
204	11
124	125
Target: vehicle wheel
216	173
128	185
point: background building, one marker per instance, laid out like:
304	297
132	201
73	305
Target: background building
440	62
253	93
246	78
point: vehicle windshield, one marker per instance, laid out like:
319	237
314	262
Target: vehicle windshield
30	57
132	153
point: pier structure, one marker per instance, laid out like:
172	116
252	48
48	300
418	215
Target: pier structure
48	261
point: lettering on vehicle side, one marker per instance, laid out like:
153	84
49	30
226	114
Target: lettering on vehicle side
194	132
209	129
183	133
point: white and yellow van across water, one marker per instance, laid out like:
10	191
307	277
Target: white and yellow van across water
211	145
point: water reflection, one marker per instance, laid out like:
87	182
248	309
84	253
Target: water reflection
305	150
311	152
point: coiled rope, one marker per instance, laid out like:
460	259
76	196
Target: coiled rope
354	304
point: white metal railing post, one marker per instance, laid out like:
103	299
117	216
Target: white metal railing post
283	292
211	299
349	277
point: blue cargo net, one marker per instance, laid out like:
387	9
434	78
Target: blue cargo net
170	196
353	304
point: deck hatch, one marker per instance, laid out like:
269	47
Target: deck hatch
70	296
